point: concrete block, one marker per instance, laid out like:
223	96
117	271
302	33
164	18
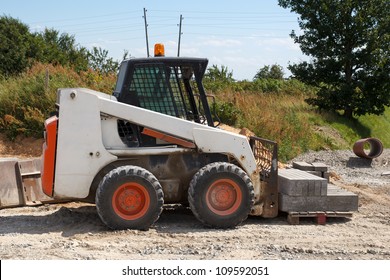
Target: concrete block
326	176
296	182
321	174
316	173
319	166
337	199
301	165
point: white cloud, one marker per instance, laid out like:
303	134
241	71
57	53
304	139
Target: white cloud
271	43
190	51
37	28
219	42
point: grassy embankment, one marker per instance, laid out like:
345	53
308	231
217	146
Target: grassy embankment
283	115
272	109
28	99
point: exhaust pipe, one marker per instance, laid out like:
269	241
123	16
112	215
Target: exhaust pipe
375	150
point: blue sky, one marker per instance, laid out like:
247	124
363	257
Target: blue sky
242	35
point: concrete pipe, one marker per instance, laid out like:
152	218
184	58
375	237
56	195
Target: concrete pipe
375	149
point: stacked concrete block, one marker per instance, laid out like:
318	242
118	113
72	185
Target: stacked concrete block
295	182
303	190
316	168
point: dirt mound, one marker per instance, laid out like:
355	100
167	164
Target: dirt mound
21	147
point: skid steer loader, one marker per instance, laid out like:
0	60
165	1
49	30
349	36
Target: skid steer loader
154	141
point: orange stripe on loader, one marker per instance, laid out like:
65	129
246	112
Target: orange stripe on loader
168	138
49	155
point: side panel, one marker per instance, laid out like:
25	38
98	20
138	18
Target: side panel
81	153
80	150
227	142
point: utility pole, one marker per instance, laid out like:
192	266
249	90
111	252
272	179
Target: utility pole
178	46
146	33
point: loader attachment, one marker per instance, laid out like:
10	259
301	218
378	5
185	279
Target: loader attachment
266	155
20	183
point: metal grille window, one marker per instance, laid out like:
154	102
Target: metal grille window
183	88
158	88
170	90
150	86
179	92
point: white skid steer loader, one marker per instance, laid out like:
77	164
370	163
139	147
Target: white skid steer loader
152	142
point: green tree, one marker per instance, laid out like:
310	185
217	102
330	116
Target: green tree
15	46
100	61
348	42
55	48
216	74
19	48
274	71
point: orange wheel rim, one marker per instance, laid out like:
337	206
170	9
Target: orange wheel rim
224	197
131	201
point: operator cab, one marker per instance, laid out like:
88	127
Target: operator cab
168	85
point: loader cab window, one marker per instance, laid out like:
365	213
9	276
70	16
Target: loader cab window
171	87
121	78
170	90
150	85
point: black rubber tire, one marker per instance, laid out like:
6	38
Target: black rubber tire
129	187
221	195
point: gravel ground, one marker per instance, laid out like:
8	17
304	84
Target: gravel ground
74	231
352	169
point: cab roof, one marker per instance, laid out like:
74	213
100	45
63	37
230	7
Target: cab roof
199	64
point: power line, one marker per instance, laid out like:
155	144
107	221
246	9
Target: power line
216	12
238	35
84	18
196	21
94	22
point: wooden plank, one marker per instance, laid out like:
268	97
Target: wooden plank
293	218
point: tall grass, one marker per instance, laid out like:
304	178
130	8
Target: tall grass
282	117
361	127
28	99
272	109
285	117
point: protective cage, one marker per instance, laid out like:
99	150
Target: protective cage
266	155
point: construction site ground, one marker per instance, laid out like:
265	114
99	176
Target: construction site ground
74	230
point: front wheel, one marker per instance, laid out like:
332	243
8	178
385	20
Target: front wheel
221	195
129	197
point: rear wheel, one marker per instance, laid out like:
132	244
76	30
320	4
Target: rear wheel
129	197
221	195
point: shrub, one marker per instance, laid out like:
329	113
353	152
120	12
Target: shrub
28	99
227	112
